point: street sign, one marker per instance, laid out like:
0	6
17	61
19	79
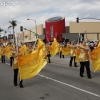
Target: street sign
36	34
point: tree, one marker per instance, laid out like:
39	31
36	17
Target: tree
13	24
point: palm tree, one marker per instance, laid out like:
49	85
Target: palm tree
0	33
13	24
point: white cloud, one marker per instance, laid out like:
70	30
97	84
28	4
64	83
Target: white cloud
41	10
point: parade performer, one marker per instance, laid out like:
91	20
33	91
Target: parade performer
0	51
15	67
60	47
3	54
29	49
11	55
84	59
72	53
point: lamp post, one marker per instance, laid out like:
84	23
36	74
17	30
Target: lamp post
86	34
35	25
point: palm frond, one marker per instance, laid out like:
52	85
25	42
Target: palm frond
13	23
10	27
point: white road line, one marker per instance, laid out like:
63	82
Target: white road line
7	63
67	84
70	85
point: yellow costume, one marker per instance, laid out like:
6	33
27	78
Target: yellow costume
72	50
15	63
84	56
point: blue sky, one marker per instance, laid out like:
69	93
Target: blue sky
41	10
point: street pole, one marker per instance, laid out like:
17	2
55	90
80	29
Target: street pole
86	35
35	26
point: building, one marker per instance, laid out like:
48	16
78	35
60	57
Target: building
30	35
54	28
90	30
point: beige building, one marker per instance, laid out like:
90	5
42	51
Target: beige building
29	35
91	29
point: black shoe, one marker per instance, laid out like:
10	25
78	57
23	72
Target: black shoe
89	77
21	86
81	75
15	84
75	66
70	65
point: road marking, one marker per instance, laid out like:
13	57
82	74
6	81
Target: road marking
67	84
70	85
7	63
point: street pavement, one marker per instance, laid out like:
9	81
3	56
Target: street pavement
57	81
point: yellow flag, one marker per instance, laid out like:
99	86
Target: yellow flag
66	50
98	44
31	64
54	48
7	51
95	57
23	49
94	53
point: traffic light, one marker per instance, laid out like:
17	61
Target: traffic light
77	19
4	38
21	28
10	36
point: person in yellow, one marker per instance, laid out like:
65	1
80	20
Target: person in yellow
15	53
11	55
84	59
72	53
0	51
61	46
29	49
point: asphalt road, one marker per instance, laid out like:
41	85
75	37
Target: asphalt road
57	81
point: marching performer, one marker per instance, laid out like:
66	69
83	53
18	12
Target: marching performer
84	59
11	55
72	54
61	46
3	54
15	67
